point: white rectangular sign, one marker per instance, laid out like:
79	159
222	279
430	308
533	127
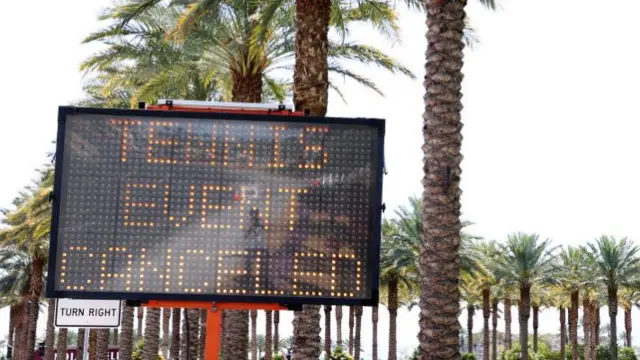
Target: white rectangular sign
87	313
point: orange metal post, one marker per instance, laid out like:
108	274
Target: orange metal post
214	325
214	318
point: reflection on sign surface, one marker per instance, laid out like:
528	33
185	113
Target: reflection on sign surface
216	207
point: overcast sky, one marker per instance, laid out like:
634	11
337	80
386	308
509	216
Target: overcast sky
550	122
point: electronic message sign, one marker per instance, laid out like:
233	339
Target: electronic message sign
168	205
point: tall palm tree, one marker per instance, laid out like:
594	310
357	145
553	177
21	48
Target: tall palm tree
268	345
486	281
140	313
442	128
539	300
628	298
339	325
559	298
276	331
374	333
327	330
175	334
28	227
151	334
202	340
358	333
50	330
61	347
617	264
526	260
351	327
164	344
572	271
93	344
254	335
471	295
102	345
15	274
126	339
80	344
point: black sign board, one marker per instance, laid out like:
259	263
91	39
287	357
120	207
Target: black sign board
168	205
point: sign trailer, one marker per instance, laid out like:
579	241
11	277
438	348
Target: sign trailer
213	205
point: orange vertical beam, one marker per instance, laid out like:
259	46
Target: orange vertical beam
214	327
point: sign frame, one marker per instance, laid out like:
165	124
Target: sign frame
87	326
375	211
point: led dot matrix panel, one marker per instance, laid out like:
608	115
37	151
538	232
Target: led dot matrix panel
153	205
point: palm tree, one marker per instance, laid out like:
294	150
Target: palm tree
628	298
166	321
470	294
486	281
15	273
254	335
102	345
617	264
268	346
439	256
573	268
358	333
49	335
559	298
116	337
175	334
151	334
140	313
202	340
397	275
339	325
93	344
352	324
539	299
28	228
126	340
62	343
327	330
526	260
276	331
374	333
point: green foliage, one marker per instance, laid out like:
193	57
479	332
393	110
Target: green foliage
416	354
339	354
278	356
626	353
468	356
138	348
514	353
580	352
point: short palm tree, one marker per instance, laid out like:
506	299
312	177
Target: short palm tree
471	295
617	265
526	260
573	270
628	298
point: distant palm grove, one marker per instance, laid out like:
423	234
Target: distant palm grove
278	50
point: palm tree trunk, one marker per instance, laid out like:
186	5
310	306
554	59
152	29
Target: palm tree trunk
613	314
536	312
93	342
392	305
50	332
627	325
61	348
374	333
276	331
254	335
351	325
166	320
80	344
327	330
507	323
139	334
116	336
593	350
151	335
194	327
175	334
126	338
268	346
22	318
235	344
524	309
102	345
486	332
439	256
35	290
306	333
494	330
597	325
573	324
339	325
358	333
563	333
585	328
202	340
470	313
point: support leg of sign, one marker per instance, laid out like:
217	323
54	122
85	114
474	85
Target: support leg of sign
214	327
85	347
